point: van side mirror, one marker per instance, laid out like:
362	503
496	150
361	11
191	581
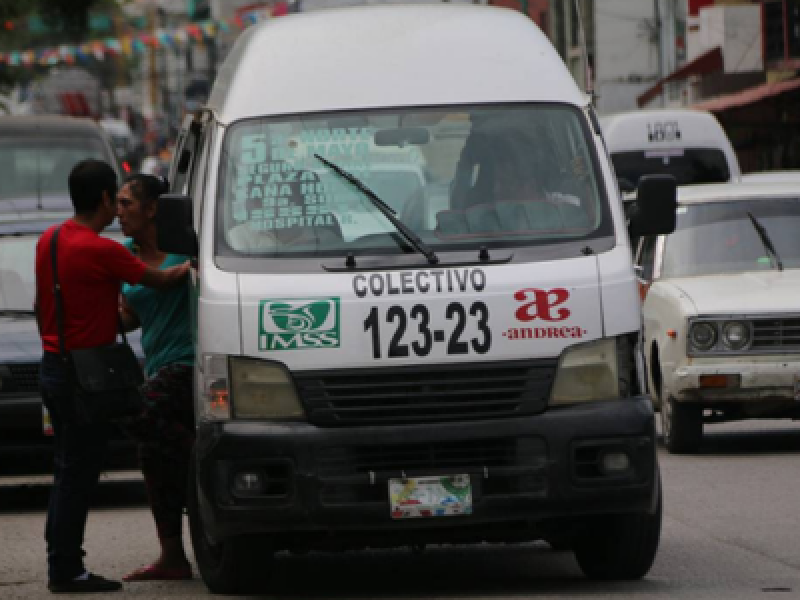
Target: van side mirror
175	226
654	210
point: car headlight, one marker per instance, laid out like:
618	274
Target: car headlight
736	335
587	372
703	336
263	390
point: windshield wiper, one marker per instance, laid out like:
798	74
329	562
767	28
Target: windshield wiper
387	210
12	312
765	239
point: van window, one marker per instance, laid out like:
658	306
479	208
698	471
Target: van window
185	152
687	165
646	258
458	177
40	166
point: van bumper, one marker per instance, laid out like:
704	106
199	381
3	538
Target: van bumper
531	476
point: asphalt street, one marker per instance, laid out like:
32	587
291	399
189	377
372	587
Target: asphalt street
730	531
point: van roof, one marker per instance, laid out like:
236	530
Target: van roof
389	56
49	125
628	131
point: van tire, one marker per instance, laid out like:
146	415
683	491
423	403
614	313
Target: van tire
620	547
236	565
681	426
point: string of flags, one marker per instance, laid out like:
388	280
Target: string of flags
132	44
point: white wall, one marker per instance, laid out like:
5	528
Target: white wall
626	61
737	30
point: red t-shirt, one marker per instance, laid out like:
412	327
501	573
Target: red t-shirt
91	269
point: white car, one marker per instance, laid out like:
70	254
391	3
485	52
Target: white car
773	177
721	309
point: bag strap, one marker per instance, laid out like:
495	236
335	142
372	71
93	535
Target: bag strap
59	299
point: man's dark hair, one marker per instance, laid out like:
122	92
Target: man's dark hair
87	182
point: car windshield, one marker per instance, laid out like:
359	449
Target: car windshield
721	237
17	261
459	178
687	165
37	166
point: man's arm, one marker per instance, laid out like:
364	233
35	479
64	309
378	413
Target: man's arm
165	278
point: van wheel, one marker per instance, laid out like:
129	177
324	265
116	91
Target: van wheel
620	548
682	426
236	565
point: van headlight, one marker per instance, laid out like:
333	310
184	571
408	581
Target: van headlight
214	404
587	372
262	390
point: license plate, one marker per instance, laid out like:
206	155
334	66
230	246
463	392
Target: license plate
439	496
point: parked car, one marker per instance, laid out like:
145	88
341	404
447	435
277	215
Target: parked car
37	154
721	312
773	177
23	422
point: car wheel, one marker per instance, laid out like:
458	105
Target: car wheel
236	565
622	547
682	426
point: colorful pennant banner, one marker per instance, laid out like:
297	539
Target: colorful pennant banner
129	45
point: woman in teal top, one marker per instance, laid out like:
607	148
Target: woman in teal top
165	431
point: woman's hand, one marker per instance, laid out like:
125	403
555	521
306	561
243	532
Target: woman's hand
129	319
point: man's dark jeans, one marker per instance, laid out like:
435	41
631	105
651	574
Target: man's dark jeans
79	453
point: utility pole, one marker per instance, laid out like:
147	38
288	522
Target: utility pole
659	46
152	75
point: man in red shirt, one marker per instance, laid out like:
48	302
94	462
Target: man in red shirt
91	270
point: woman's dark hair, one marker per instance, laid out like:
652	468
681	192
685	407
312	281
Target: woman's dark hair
147	188
87	181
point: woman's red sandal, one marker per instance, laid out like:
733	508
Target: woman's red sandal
157	573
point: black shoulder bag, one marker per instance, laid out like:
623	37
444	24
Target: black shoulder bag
105	379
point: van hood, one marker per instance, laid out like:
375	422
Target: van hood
419	316
19	340
743	293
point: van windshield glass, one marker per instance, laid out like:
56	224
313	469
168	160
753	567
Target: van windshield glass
38	166
687	165
459	178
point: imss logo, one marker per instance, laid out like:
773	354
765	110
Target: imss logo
298	324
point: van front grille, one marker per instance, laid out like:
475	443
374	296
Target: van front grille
497	467
21	378
408	395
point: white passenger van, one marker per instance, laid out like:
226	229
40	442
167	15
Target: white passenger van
688	144
462	363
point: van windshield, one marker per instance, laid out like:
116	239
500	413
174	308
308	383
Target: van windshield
457	177
687	165
40	166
